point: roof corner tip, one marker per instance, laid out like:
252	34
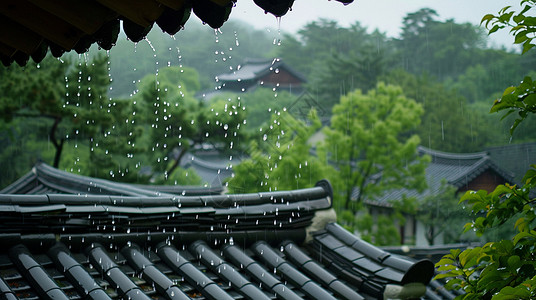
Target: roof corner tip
326	185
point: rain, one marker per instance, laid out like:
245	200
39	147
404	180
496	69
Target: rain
398	121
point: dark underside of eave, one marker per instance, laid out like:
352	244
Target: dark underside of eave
33	28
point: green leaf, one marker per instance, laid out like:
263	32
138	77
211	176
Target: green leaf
518	18
468	258
520	37
508	292
530	176
509	90
529	21
494	29
523	235
530	99
514	262
514	126
507	114
504	9
526	47
487	18
443	276
520	224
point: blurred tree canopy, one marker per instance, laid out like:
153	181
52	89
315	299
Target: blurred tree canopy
369	145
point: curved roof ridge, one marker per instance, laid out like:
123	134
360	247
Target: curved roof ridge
256	60
451	155
43	169
478	168
196	160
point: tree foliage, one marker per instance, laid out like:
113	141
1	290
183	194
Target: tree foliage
447	124
176	123
440	214
370	145
281	158
498	270
504	269
431	46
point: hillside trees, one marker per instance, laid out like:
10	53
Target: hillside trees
447	124
434	47
338	59
36	92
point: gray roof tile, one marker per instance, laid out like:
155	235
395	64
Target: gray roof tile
456	169
178	247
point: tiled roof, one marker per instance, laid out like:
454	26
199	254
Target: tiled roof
515	158
253	69
33	27
241	246
211	166
44	179
456	169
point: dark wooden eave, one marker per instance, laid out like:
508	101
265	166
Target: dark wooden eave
32	28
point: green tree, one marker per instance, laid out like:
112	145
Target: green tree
343	73
430	46
281	159
318	40
503	269
260	105
370	145
338	59
448	124
210	52
37	91
177	123
440	214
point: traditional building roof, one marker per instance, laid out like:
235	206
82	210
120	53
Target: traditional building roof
213	167
44	179
160	246
516	158
457	169
261	72
31	28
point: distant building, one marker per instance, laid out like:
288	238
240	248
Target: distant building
515	158
254	73
464	171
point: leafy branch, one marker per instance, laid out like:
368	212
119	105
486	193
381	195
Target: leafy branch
521	26
521	98
498	270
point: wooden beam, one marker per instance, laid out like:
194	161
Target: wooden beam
18	37
141	12
6	50
41	22
174	4
88	16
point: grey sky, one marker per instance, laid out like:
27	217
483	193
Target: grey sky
386	15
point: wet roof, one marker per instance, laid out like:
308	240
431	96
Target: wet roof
253	69
164	246
33	28
456	169
44	179
515	158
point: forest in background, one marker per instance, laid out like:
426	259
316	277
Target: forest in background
132	114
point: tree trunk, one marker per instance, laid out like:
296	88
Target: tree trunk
177	162
57	145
